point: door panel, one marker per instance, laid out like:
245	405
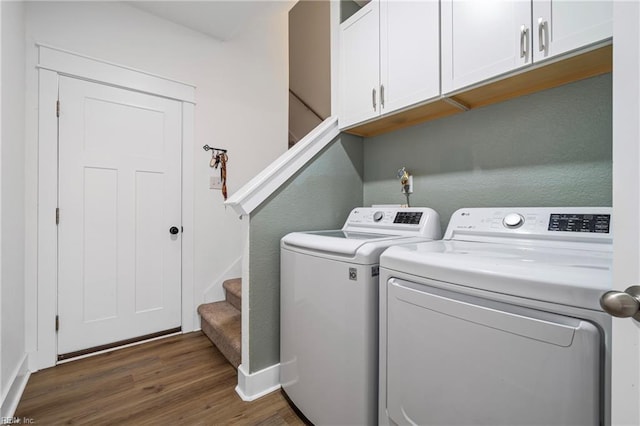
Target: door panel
119	193
149	253
100	244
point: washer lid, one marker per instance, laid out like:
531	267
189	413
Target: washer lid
558	275
341	243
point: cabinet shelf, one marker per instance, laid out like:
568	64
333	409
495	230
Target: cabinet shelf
545	75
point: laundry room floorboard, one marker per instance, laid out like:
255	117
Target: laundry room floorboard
177	380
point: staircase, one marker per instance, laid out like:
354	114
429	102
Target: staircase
220	321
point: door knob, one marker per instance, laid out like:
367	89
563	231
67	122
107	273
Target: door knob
622	304
174	230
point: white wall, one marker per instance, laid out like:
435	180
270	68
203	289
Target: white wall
241	100
310	54
309	66
12	209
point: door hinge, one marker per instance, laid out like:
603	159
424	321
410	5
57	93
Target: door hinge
57	215
57	108
57	323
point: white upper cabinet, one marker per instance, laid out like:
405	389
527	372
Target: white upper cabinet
359	65
483	39
409	52
562	26
389	58
400	54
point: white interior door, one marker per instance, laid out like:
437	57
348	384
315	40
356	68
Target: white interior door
119	195
626	208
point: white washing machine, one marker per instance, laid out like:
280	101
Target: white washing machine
499	323
329	311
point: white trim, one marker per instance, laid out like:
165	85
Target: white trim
18	381
245	357
73	64
255	385
258	189
47	276
334	28
189	314
88	69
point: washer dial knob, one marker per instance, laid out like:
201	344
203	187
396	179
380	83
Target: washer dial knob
513	220
377	216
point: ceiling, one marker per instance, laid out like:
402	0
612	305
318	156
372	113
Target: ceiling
221	19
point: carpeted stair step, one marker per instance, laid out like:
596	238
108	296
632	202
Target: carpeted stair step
220	321
233	291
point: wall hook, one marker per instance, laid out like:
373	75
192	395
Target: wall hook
209	148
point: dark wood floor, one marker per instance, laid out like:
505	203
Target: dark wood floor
180	380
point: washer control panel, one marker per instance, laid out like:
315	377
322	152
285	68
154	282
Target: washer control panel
387	216
411	218
393	220
542	222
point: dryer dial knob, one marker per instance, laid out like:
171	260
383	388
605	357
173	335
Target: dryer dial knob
377	216
513	220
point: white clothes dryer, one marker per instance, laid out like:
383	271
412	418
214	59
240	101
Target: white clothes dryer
329	311
500	322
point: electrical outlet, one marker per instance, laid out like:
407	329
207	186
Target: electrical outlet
215	182
409	184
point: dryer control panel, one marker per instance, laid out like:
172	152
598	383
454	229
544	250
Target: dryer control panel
539	223
575	222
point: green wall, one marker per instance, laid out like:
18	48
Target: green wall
319	197
551	148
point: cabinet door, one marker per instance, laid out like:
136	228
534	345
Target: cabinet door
482	39
359	66
409	52
562	25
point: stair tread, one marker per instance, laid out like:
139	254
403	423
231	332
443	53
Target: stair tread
233	286
222	324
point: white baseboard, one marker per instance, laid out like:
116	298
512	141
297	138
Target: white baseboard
16	388
255	385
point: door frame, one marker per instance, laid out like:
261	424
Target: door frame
52	63
625	365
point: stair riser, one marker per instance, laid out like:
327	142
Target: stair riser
234	300
222	323
233	292
222	343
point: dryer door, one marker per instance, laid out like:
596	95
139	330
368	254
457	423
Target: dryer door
456	359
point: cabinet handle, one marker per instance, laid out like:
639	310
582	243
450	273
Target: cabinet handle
373	98
382	96
542	33
524	35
